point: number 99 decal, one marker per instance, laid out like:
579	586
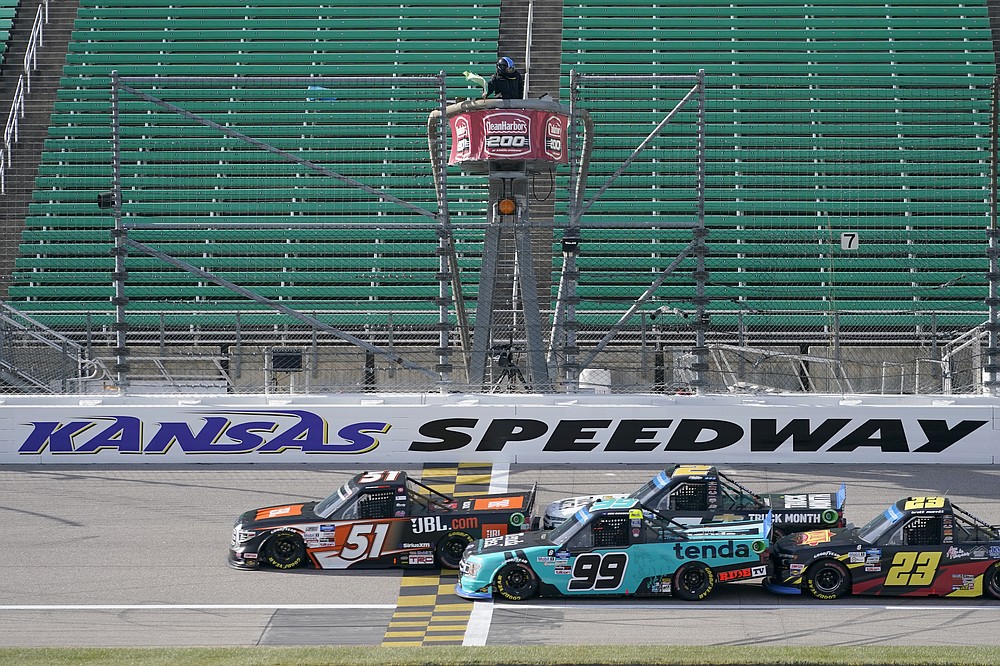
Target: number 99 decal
594	571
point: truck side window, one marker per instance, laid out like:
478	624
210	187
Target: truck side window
734	499
689	497
582	540
923	531
376	504
611	532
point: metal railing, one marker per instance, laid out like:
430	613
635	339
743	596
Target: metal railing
36	39
17	105
36	359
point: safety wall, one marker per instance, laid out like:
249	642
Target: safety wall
400	430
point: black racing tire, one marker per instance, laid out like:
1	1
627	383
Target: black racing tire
285	550
991	581
450	549
694	581
516	582
828	579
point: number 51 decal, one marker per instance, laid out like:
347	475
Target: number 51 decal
594	571
364	540
913	569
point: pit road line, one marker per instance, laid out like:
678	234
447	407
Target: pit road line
591	604
105	607
595	604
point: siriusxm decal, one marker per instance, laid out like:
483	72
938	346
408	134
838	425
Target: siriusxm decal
229	432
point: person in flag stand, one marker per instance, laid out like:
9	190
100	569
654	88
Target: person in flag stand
508	83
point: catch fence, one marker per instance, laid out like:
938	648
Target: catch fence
306	235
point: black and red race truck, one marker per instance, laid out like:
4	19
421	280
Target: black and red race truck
695	494
376	519
918	547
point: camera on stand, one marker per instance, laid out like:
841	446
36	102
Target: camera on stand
503	355
510	374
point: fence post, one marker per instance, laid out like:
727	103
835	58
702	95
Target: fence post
120	249
700	232
447	260
992	365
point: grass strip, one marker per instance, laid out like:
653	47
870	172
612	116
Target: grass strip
492	655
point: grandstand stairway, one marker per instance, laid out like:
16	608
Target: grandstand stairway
993	7
542	71
33	128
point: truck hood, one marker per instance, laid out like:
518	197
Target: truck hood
512	541
818	540
279	514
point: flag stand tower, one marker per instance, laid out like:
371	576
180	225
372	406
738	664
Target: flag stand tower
508	141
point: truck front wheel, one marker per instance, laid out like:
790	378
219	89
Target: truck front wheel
828	579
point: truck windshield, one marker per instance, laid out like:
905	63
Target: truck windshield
879	525
336	500
569	527
648	490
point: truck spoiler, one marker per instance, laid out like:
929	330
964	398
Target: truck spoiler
534	522
531	499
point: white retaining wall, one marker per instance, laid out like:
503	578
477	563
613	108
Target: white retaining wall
396	430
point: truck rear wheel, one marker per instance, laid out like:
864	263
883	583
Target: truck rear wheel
450	549
991	584
694	581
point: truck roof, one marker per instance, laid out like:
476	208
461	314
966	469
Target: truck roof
927	505
692	471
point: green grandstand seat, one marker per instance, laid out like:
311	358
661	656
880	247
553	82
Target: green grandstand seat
822	117
902	86
64	258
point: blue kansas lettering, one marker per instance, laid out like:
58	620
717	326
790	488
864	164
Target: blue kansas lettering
205	441
123	435
357	437
309	434
218	435
57	436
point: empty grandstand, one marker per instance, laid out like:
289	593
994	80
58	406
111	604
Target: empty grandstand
269	164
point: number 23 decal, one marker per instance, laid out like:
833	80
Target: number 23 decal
594	571
913	569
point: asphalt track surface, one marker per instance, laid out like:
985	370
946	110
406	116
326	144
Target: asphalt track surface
136	556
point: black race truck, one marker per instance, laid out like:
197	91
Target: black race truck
694	494
376	519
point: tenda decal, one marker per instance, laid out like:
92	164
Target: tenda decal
222	432
643	435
